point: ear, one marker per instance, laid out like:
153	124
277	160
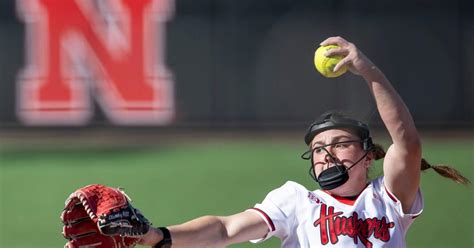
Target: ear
368	159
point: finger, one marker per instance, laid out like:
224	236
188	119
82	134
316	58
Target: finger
337	40
344	62
336	52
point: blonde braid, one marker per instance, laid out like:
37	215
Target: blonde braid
443	170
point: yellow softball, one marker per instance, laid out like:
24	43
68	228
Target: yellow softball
325	65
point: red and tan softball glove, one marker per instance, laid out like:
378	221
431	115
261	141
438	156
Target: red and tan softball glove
102	217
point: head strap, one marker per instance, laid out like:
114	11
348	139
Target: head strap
334	120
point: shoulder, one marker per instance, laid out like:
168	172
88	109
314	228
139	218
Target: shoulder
294	185
289	191
377	183
379	189
406	216
292	188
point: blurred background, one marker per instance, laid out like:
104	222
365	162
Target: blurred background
199	107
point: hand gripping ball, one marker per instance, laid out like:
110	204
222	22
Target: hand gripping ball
325	65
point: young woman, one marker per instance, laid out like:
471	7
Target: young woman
349	210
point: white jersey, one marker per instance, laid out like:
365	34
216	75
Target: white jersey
303	218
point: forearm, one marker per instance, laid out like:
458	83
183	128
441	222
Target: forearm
392	109
212	231
207	231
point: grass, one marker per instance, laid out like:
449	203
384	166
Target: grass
178	182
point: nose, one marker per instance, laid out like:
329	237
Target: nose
329	158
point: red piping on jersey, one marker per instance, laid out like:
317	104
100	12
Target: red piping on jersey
395	200
414	216
390	194
272	226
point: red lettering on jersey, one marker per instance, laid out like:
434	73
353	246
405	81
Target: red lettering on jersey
110	50
353	226
324	220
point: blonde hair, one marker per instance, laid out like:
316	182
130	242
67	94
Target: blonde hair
443	170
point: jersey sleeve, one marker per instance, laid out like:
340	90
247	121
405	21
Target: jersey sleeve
406	219
278	211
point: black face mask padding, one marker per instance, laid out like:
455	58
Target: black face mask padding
334	176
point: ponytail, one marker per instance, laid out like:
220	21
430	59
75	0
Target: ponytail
443	170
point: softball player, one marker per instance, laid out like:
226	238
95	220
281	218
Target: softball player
348	210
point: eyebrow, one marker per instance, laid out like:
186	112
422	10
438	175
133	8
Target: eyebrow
334	140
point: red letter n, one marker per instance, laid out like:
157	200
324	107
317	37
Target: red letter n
108	50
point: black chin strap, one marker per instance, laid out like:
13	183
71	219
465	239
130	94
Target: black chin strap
365	155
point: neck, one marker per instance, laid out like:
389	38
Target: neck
348	190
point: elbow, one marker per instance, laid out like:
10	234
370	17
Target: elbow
413	145
409	142
408	138
223	237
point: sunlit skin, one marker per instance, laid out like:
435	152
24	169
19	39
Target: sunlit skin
346	154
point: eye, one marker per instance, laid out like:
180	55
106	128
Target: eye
318	150
338	146
341	145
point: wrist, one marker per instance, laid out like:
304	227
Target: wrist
152	237
165	241
372	73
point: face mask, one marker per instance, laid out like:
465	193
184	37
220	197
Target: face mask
334	176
